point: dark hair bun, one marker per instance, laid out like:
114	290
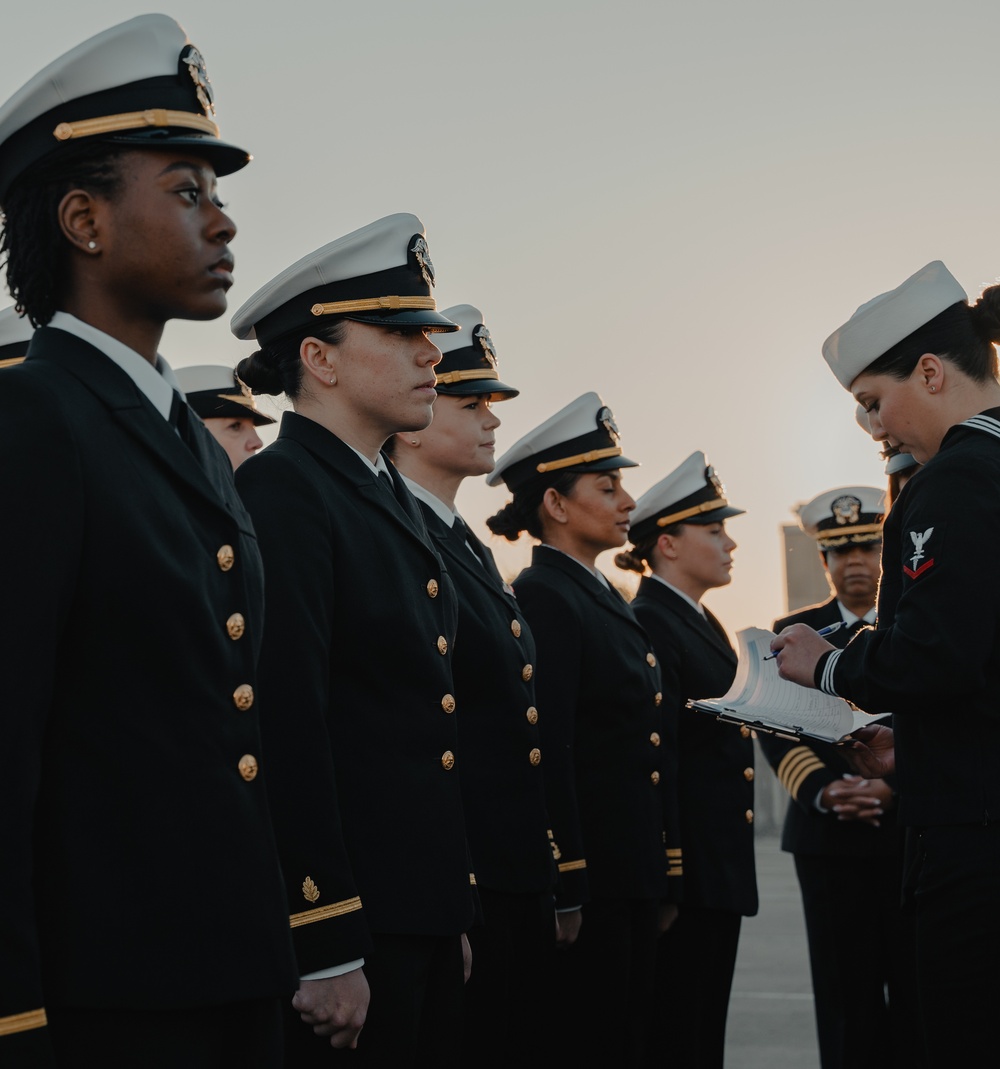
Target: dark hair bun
629	561
507	522
259	375
985	314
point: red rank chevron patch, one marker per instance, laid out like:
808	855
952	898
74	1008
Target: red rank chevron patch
920	571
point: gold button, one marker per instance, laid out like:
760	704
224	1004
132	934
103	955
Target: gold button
432	588
447	760
448	703
442	645
535	756
243	696
749	816
515	628
744	731
748	774
654	778
532	715
658	698
248	766
236	625
655	738
650	660
225	557
527	672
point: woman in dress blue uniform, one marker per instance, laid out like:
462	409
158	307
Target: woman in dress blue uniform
922	362
841	828
502	788
226	407
598	686
357	693
142	918
679	533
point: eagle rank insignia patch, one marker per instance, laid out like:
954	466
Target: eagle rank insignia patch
917	563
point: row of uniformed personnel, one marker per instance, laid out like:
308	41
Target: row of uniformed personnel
381	772
179	951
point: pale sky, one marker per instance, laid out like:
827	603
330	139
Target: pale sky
671	204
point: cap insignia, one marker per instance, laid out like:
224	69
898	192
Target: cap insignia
423	257
482	335
606	419
846	510
715	481
195	63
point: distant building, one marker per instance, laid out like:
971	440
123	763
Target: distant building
805	579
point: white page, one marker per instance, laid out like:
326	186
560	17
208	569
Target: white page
761	697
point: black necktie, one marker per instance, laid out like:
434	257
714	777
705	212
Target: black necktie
180	419
386	481
461	531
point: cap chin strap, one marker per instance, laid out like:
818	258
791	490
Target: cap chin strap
135	120
466	376
696	510
376	304
580	458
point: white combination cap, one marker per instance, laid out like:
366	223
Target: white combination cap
887	319
15	333
381	274
468	365
844	514
140	84
582	437
691	493
214	392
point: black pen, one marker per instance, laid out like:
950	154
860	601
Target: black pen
822	632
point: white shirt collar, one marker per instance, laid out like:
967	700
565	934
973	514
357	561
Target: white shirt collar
157	384
680	593
432	501
376	468
849	617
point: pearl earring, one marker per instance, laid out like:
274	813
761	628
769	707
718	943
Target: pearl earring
91	244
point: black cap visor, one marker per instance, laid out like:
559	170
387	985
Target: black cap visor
423	317
493	389
715	516
224	158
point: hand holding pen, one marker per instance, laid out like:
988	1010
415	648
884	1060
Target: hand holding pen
822	632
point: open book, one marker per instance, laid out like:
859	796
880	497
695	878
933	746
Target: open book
761	699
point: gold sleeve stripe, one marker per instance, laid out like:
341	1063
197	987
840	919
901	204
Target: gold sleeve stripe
336	909
796	766
23	1022
675	869
674	851
572	866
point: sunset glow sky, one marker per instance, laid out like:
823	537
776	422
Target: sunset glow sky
671	204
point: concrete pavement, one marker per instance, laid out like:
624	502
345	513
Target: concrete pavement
771	1023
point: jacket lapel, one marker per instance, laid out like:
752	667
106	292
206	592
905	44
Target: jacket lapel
707	628
451	543
135	414
607	598
401	508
